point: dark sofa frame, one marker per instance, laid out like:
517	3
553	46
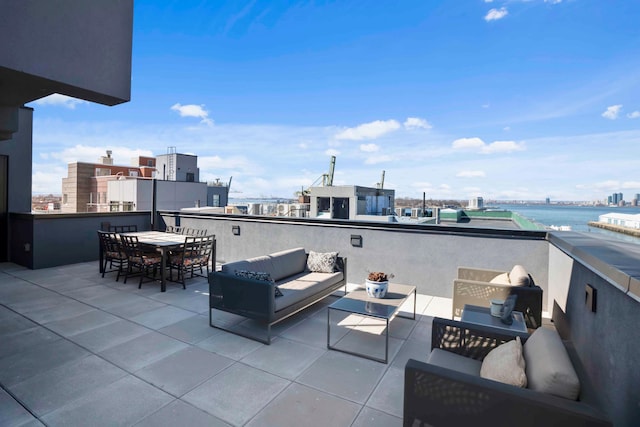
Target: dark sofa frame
255	299
436	396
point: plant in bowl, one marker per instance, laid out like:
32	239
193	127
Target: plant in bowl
377	284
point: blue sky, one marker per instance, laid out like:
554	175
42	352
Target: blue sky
501	99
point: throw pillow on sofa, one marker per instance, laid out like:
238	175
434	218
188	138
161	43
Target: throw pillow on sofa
505	364
258	275
319	262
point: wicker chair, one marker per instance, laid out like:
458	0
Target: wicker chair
144	262
473	286
438	396
112	253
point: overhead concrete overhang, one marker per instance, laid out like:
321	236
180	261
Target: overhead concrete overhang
76	48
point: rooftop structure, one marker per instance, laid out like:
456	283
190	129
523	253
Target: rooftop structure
350	202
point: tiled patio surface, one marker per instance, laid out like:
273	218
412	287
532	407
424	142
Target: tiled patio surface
81	350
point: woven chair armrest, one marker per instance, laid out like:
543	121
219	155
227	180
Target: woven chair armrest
479	274
469	339
438	396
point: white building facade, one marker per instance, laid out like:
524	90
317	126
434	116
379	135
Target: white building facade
623	220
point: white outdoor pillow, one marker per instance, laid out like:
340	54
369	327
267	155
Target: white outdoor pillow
505	363
318	262
501	279
519	276
549	368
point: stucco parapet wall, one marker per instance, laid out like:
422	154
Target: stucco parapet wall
54	216
616	261
375	225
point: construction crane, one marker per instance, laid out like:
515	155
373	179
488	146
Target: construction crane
325	178
381	183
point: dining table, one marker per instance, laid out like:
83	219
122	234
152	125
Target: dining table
162	242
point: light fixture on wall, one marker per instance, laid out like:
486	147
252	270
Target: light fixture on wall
235	229
356	240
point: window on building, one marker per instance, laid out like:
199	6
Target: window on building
65	199
133	173
324	204
114	206
127	206
216	200
191	177
150	163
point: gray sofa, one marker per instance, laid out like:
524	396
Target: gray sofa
256	298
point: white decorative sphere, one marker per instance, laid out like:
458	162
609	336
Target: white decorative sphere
376	289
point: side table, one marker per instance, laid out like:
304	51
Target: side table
482	316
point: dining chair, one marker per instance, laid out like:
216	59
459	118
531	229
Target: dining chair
123	228
112	253
144	262
196	252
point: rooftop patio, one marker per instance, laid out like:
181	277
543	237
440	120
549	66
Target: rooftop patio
77	347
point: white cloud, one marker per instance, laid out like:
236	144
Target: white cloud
612	112
60	100
369	130
487	105
506	128
416	123
92	154
488	1
634	115
633	185
369	148
374	160
468	143
503	147
477	144
332	152
192	110
553	1
471	174
495	14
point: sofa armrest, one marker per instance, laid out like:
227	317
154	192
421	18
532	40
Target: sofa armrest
469	339
438	396
479	274
247	297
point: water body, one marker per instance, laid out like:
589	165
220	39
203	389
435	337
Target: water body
577	217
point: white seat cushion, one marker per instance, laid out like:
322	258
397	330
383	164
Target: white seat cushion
449	360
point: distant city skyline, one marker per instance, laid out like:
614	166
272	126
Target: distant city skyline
508	100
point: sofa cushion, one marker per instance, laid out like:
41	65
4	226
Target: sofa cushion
549	368
304	285
322	262
518	276
456	362
501	279
506	364
287	263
